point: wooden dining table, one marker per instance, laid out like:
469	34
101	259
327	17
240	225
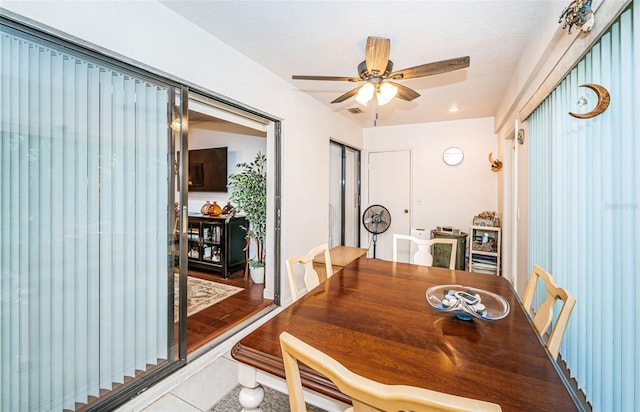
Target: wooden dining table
373	317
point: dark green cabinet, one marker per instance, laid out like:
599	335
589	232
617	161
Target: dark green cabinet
442	253
216	244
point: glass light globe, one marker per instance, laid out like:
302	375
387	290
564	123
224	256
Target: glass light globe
386	92
365	93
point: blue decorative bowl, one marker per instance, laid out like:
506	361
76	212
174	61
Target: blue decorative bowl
467	303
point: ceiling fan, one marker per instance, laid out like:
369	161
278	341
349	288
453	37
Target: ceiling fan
380	79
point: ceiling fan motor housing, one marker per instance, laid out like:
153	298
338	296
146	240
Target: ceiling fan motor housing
365	75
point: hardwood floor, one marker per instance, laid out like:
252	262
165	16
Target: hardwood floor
215	320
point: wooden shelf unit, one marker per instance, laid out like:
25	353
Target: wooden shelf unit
485	250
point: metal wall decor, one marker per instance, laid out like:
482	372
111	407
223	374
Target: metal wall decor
578	13
602	104
521	136
496	165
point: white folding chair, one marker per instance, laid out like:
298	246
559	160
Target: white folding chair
423	255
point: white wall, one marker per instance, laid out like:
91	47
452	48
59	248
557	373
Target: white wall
442	194
150	33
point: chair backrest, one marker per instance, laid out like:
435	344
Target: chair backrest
423	255
310	277
544	314
366	394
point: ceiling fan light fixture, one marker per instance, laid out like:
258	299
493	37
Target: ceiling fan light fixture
386	93
376	70
365	93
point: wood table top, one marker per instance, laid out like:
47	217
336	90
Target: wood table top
342	255
373	317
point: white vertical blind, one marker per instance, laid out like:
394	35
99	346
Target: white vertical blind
83	226
584	216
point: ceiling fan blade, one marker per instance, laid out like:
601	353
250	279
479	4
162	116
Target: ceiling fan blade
430	69
345	96
405	93
377	55
330	78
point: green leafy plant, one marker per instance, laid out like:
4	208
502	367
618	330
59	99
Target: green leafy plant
249	195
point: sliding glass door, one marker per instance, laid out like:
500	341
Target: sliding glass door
86	224
344	196
584	213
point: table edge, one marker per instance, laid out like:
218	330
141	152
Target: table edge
274	366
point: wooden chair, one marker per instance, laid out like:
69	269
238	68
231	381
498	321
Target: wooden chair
311	278
544	314
423	256
366	394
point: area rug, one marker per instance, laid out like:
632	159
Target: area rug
202	293
274	401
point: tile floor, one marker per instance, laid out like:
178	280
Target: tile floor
193	390
198	392
197	386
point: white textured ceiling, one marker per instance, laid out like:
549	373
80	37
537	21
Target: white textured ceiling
328	38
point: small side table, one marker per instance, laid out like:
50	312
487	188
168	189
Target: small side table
341	256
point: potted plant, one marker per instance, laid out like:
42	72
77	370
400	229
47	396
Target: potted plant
249	195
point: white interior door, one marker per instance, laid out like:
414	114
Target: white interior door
389	185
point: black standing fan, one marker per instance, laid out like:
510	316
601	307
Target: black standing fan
376	219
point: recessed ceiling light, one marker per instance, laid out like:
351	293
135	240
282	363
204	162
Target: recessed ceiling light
453	109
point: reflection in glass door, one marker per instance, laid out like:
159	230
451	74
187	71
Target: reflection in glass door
344	196
87	282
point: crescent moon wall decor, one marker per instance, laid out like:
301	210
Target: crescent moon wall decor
603	101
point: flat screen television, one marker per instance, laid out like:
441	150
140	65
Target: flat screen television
208	170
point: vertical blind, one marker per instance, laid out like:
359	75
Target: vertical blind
584	215
83	223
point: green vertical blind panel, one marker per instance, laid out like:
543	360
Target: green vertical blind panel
584	215
83	225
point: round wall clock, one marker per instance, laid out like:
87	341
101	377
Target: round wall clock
452	156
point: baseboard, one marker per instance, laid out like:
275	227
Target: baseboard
582	397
